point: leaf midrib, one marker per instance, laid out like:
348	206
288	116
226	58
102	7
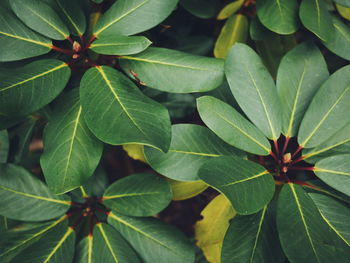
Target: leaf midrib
103	233
108	197
247	179
258	234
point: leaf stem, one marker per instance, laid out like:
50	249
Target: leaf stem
274	156
286	142
275	143
297	151
62	50
301	168
70	39
297	160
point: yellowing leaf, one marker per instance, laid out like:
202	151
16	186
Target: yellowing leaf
230	9
235	30
343	11
210	231
135	151
186	190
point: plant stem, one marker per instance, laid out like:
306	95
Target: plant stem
275	143
297	160
301	168
286	142
70	40
62	50
297	151
262	161
274	156
83	192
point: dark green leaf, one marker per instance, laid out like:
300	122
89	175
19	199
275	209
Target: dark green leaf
130	197
165	69
301	72
71	151
153	240
246	184
73	15
24	197
254	89
328	111
118	113
4	146
202	9
232	127
191	147
24	90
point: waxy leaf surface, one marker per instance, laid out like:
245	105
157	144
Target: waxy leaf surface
4	146
73	15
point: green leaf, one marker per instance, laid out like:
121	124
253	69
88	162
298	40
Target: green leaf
24	197
254	89
55	247
246	184
280	16
164	69
73	15
105	245
338	143
235	30
335	214
115	110
191	147
231	126
230	9
202	9
339	44
123	17
40	17
335	171
13	33
253	238
210	231
316	18
71	151
4	146
302	231
343	2
130	197
328	111
186	190
300	74
343	11
120	45
24	90
153	240
7	122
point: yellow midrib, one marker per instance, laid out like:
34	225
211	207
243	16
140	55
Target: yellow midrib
258	234
330	171
27	40
103	233
69	18
247	179
59	244
106	197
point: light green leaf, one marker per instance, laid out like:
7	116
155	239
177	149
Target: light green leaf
117	112
153	240
230	9
235	30
120	45
24	197
165	69
186	190
315	17
231	126
254	89
246	184
130	197
301	73
25	89
343	2
280	16
335	171
343	11
328	111
73	15
4	146
13	33
71	151
123	17
40	17
191	147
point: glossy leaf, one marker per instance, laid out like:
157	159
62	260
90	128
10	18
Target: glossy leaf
335	214
335	171
153	239
202	9
114	110
328	111
40	17
71	151
231	126
130	197
135	151
24	90
235	30
302	231
315	17
186	190
164	69
191	147
280	16
339	44
301	73
123	17
230	9
343	2
210	231
120	45
253	238
73	15
4	146
343	11
13	33
254	89
247	185
20	191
